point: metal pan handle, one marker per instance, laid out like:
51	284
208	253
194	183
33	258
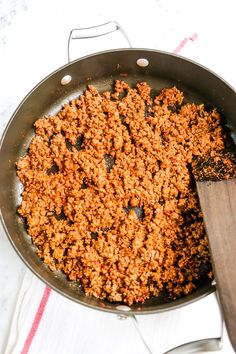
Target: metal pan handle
95	32
198	346
204	345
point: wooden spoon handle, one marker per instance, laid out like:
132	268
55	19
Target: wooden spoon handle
218	204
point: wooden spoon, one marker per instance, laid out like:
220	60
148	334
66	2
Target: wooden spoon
218	204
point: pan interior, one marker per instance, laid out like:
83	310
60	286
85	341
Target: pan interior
47	99
102	85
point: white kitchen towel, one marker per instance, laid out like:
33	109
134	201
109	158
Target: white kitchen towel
46	322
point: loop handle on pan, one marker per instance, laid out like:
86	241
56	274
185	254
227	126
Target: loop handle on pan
204	345
94	32
198	346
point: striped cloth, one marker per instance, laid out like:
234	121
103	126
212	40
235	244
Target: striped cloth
46	322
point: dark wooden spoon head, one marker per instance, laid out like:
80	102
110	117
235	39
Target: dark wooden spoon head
218	204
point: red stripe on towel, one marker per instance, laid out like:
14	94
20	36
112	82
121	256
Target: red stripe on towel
193	37
181	45
184	41
37	320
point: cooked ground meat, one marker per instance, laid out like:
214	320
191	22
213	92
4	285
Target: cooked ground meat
215	168
109	196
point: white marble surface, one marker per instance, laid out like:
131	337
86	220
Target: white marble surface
33	39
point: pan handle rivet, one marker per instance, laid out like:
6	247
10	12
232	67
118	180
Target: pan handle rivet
142	62
123	308
66	79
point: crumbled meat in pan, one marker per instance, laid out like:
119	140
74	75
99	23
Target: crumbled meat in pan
215	168
99	160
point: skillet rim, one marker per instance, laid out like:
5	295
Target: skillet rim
176	304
